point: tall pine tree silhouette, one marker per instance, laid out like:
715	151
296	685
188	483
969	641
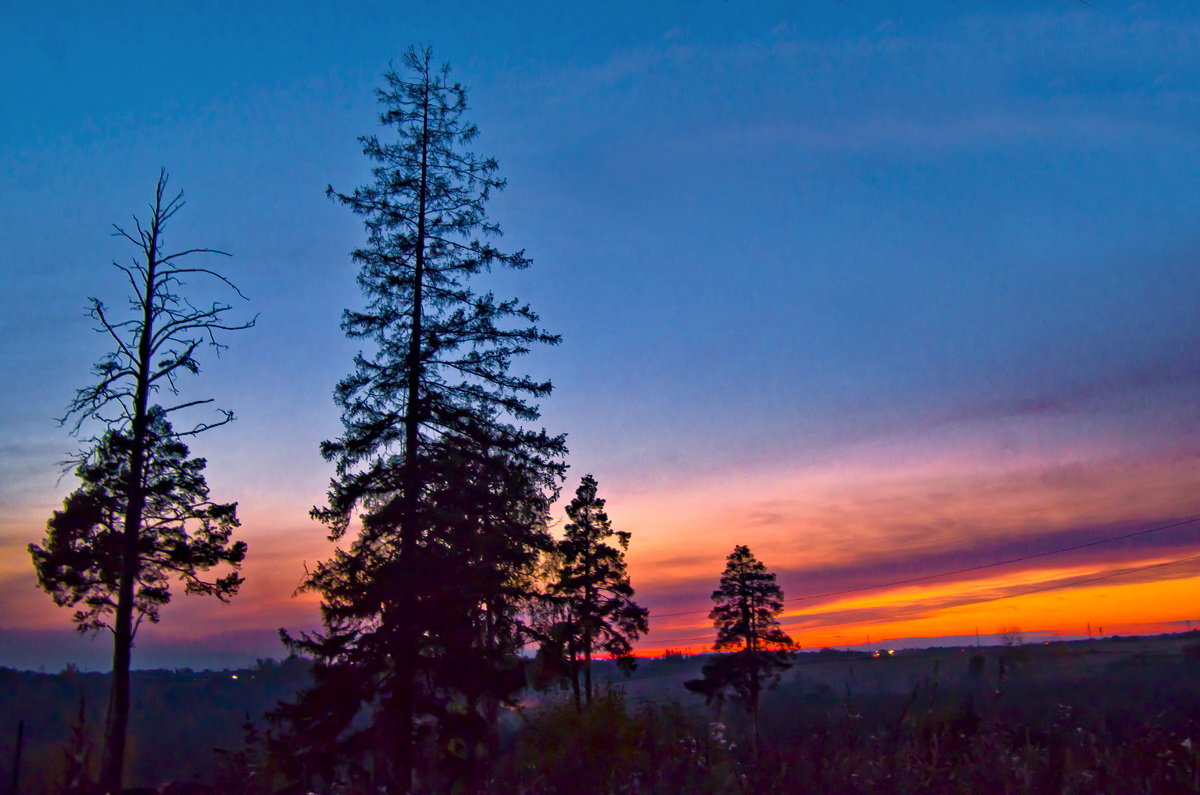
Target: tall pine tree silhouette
437	458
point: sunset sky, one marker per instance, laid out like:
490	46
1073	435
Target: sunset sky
883	290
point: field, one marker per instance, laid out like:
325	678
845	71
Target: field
1111	715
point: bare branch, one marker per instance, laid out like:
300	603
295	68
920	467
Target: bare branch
98	310
187	405
212	273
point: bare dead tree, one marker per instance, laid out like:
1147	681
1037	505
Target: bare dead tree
152	347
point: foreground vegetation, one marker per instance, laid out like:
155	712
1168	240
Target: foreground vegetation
1081	717
1118	715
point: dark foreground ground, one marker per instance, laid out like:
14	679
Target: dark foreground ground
1112	715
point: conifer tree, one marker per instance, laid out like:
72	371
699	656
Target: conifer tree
437	460
596	611
747	602
125	530
184	533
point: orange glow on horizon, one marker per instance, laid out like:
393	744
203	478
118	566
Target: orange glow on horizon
878	508
1118	608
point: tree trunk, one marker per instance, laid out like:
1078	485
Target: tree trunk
589	600
407	656
402	769
587	671
14	786
754	686
573	658
112	768
118	705
118	698
491	705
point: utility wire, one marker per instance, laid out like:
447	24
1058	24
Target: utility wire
1039	589
966	570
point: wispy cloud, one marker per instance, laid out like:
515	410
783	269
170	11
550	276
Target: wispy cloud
973	80
861	526
911	609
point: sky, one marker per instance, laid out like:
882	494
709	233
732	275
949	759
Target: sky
883	290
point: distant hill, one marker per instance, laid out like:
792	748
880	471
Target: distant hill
179	717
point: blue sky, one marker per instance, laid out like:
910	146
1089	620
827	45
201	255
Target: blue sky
783	237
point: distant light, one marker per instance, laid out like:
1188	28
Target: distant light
233	676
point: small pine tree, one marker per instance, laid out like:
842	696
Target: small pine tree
747	603
592	593
77	753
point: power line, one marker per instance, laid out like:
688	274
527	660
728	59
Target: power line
1097	578
966	570
1039	589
